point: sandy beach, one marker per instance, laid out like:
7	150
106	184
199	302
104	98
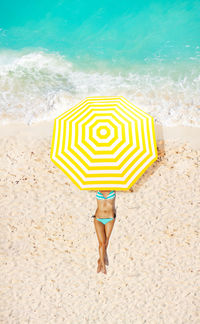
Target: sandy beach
49	246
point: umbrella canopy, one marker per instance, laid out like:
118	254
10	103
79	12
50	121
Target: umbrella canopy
104	143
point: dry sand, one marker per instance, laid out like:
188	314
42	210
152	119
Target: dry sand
49	246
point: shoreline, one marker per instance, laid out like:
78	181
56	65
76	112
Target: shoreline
179	134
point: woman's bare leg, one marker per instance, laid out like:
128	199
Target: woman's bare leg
100	231
108	231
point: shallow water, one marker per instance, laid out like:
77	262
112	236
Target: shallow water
53	54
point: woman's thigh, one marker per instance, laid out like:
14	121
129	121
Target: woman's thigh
100	230
109	228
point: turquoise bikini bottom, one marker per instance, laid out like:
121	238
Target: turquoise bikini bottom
105	220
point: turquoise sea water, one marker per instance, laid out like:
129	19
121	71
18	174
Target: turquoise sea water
55	53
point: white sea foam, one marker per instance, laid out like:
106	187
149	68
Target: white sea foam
39	86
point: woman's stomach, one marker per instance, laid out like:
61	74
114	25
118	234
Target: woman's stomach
105	212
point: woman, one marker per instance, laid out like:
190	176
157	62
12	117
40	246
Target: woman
104	220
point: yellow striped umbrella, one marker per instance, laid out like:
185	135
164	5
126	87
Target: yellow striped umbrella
104	143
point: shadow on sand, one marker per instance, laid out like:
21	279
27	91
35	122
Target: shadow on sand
161	156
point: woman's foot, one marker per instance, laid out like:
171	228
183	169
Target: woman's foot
103	269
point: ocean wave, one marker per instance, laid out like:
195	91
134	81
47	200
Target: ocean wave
37	86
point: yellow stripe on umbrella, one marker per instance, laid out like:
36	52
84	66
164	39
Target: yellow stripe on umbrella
104	143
